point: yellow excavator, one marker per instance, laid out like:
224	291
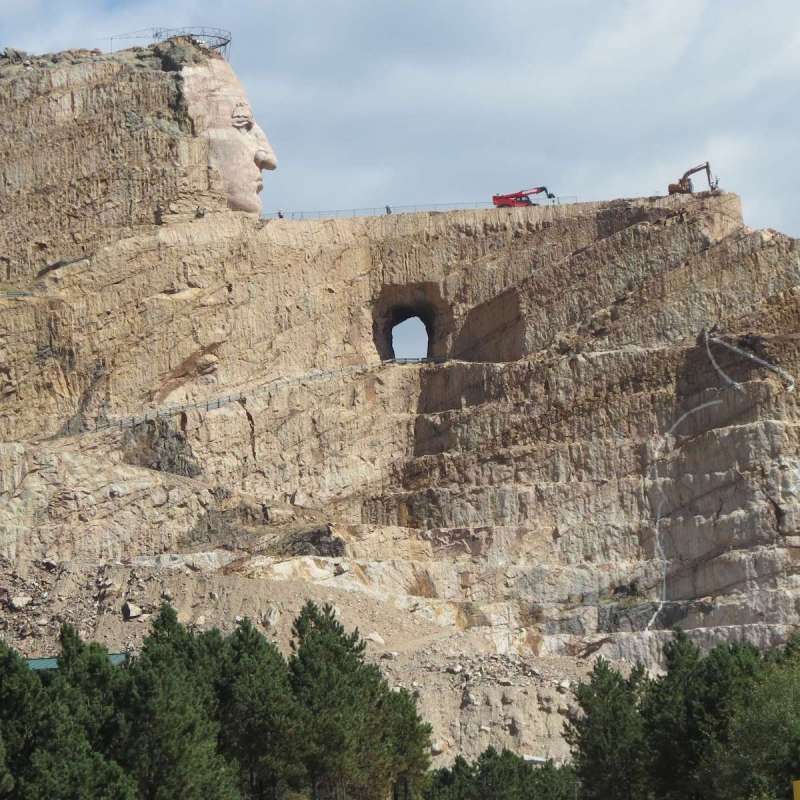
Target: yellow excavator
684	184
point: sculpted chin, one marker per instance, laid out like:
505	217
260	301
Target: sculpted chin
238	149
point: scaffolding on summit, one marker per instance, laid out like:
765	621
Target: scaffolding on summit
213	38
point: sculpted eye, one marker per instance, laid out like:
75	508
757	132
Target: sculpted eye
242	118
243	123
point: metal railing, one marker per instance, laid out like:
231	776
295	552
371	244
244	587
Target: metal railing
214	38
379	211
212	404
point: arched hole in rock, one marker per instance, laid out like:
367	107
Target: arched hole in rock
397	303
410	339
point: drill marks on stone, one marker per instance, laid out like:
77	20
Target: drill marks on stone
745	354
669	441
213	403
243	403
735	384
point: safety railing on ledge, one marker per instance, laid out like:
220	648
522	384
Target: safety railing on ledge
390	209
212	404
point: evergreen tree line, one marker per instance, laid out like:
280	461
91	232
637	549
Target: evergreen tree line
202	716
724	726
501	776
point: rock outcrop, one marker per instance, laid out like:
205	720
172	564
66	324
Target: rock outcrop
604	445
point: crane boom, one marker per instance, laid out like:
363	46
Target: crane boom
521	198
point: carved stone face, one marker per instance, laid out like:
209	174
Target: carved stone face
237	147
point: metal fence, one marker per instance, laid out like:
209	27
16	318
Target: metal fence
341	213
211	404
213	38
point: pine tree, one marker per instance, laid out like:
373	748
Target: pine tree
6	778
24	706
345	709
688	711
168	739
88	685
608	740
671	729
408	740
551	782
762	754
64	766
260	720
453	783
727	677
501	775
47	751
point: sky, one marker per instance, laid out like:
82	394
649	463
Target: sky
416	102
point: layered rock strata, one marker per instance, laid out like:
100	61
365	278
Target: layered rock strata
606	445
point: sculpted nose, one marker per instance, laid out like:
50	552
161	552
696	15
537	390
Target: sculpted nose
265	159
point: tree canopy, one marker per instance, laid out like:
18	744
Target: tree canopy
203	716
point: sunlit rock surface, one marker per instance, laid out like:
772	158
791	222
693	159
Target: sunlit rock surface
605	447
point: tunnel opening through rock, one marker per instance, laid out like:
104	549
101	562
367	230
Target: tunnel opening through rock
410	338
412	321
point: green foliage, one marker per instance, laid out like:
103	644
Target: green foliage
724	726
688	711
65	766
352	726
762	752
259	715
672	729
6	778
408	742
202	716
168	741
23	712
455	783
501	776
45	735
88	685
608	739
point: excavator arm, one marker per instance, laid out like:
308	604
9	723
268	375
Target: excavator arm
684	185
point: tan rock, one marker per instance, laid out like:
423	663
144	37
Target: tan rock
194	406
131	610
19	602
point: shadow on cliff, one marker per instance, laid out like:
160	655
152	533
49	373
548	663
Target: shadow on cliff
715	389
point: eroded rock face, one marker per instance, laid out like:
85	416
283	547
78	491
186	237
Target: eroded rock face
607	448
95	147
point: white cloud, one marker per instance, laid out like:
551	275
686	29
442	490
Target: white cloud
429	101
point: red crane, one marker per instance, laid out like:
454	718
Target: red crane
522	198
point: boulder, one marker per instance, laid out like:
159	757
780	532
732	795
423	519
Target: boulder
130	610
20	601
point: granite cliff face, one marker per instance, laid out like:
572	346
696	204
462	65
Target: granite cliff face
587	463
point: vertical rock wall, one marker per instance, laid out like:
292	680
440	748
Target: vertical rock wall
605	445
92	148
